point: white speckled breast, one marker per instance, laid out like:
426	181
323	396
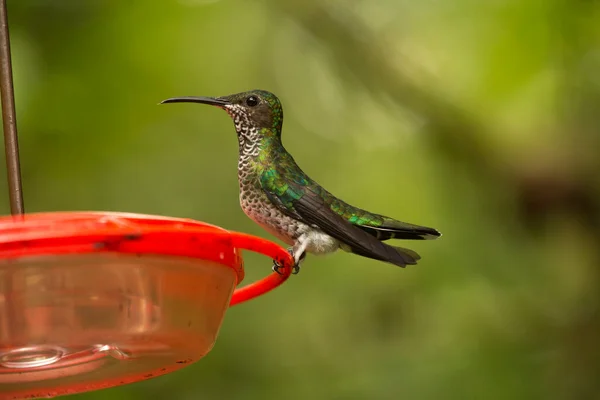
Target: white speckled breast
255	203
257	206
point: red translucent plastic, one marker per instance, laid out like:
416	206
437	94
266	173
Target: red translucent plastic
89	232
91	300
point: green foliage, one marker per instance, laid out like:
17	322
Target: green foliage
477	118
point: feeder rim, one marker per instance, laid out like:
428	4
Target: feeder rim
89	232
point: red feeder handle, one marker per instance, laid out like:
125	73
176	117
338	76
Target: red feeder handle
269	249
79	232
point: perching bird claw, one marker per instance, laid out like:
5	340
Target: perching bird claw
277	268
296	268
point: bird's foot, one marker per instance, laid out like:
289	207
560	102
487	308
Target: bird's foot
277	267
295	269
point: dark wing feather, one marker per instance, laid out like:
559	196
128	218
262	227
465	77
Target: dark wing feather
277	202
294	194
314	211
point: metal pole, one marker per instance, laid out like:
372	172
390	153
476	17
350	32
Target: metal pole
9	118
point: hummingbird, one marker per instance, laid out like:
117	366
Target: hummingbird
276	194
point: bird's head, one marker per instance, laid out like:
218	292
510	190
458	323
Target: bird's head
256	113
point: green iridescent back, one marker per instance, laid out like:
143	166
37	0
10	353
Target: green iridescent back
280	176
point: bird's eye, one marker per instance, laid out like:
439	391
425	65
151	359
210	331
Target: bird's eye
252	101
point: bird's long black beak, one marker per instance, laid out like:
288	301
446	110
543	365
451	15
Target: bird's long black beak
193	99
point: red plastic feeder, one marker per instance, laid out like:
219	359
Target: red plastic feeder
93	300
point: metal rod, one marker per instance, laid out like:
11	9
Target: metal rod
9	117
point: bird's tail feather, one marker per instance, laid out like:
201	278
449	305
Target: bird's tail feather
394	255
408	254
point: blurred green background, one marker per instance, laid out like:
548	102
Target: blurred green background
480	118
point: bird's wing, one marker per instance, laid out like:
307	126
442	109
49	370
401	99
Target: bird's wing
379	226
299	198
